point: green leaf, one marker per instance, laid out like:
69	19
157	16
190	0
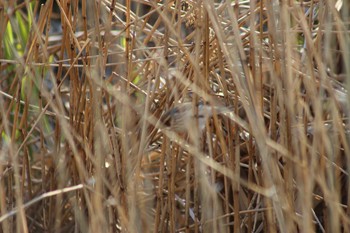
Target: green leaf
8	41
23	29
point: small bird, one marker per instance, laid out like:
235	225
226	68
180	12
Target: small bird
182	118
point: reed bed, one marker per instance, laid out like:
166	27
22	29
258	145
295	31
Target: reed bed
83	85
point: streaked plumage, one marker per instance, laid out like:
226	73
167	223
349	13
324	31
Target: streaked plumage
182	117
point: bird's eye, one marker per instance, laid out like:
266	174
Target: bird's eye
168	122
166	119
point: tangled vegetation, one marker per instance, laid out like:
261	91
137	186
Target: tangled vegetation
84	84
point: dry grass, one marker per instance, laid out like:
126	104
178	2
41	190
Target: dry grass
81	149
